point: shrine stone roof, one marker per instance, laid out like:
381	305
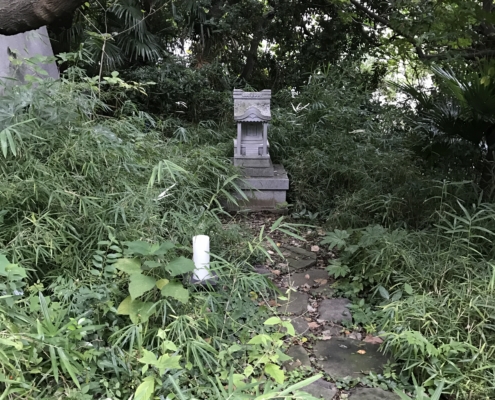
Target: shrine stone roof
252	106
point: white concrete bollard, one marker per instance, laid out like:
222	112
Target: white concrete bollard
201	258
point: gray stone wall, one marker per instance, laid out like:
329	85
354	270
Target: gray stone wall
22	46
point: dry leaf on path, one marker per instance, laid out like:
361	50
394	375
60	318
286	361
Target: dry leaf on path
311	309
272	303
313	325
373	339
326	335
307	276
276	272
361	352
315	248
321	282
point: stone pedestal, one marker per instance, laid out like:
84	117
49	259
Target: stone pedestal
264	193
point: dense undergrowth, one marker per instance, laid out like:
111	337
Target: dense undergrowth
407	219
97	213
99	202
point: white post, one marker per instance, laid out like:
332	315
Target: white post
201	257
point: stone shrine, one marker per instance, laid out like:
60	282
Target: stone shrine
264	184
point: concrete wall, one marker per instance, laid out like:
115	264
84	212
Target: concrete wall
28	44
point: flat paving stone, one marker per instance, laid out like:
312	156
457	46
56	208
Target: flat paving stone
260	269
372	394
335	310
300	358
297	303
300	278
339	357
298	258
321	390
323	291
300	325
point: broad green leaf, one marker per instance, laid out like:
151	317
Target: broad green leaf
163	248
260	339
275	372
383	292
180	265
141	311
125	306
128	265
238	381
138	247
408	288
234	348
161	283
140	284
248	371
146	389
290	328
168	345
273	321
148	357
167	362
176	291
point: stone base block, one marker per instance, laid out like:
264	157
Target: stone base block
252	162
263	193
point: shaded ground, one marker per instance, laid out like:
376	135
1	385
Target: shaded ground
326	342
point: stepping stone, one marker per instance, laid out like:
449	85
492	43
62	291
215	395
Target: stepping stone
297	303
300	325
339	357
299	279
323	291
321	389
298	258
261	269
300	358
335	310
372	394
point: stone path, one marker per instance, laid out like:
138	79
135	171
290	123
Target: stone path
324	321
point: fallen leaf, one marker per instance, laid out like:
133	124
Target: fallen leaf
326	335
272	303
270	252
308	319
315	248
313	325
361	352
321	321
276	272
321	282
307	276
311	309
373	339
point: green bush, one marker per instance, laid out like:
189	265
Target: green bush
355	161
434	295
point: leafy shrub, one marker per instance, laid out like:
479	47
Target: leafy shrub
193	94
70	178
436	289
353	160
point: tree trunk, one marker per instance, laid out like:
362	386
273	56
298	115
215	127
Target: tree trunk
18	16
487	181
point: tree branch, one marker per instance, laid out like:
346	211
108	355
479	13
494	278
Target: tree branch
18	16
464	53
